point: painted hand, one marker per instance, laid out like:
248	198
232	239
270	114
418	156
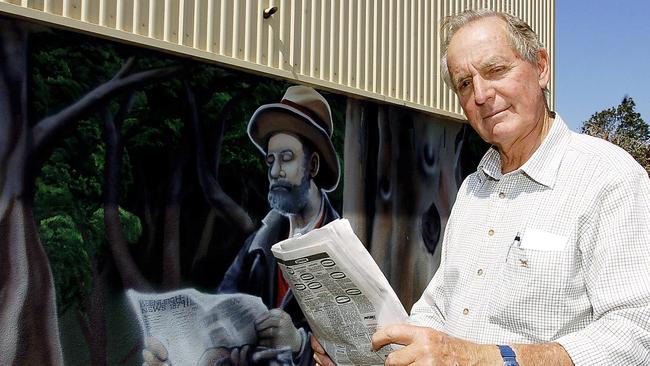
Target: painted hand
154	353
275	329
221	356
273	357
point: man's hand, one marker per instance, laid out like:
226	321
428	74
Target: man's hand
221	356
154	353
424	345
321	358
246	356
273	357
275	329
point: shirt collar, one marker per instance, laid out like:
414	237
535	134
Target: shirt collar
542	166
490	165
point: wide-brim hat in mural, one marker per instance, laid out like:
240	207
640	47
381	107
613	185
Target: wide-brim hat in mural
303	112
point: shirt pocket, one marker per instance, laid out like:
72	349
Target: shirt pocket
530	291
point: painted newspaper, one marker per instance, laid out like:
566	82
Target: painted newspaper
196	328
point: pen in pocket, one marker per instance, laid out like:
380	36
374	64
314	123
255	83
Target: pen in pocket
515	242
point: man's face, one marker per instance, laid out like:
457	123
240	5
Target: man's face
289	178
500	93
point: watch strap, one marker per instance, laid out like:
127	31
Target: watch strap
508	355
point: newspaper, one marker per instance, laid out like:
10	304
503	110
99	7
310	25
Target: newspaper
341	290
191	324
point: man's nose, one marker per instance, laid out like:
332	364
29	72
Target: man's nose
483	90
275	169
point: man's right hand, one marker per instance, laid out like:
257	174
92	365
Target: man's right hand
246	356
275	329
154	353
321	358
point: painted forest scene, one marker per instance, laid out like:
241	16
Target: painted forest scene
124	168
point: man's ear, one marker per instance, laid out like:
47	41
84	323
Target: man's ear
544	68
314	164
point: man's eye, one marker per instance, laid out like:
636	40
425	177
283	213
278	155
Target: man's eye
287	157
463	84
270	159
497	70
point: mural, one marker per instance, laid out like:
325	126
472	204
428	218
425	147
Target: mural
122	168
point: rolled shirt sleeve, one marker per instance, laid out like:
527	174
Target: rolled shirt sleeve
429	309
615	249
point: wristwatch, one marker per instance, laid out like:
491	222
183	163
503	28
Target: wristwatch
508	355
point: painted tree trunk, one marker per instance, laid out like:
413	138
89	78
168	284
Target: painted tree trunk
92	320
400	198
171	234
128	270
29	333
357	145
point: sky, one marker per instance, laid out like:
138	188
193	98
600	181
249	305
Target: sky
602	54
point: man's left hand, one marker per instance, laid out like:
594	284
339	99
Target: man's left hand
424	345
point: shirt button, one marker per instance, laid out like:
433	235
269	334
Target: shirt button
490	232
465	311
480	272
502	195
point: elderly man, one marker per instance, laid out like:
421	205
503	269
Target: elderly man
547	251
295	137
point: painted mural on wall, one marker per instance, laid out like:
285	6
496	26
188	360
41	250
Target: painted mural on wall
121	168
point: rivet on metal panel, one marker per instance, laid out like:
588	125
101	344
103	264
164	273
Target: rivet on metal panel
270	11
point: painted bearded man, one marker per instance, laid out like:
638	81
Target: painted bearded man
295	137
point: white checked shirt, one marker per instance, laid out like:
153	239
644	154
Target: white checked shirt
579	274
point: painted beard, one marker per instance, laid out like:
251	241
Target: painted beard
288	198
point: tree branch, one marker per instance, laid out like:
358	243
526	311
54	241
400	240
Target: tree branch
125	69
222	125
212	190
128	270
48	128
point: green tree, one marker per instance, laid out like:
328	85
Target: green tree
71	253
623	126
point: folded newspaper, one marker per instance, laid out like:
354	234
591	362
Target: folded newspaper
197	328
341	290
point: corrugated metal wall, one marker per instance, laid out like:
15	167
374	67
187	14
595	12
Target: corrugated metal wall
386	50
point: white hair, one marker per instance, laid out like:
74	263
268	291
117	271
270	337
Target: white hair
522	38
